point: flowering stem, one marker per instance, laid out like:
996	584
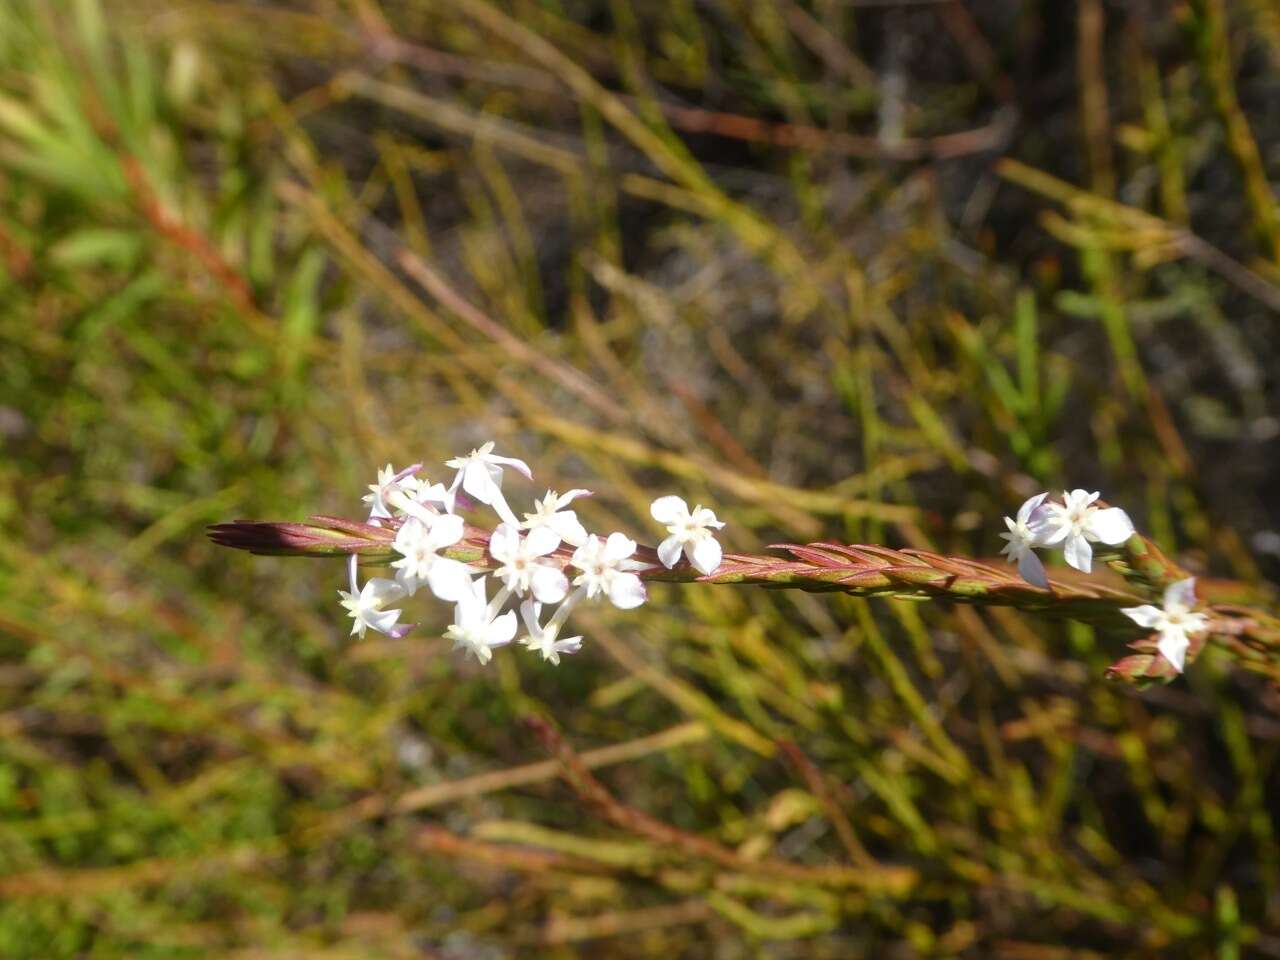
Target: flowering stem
865	570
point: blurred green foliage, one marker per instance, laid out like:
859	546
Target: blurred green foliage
870	272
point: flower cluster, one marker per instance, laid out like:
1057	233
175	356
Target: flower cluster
1075	524
546	560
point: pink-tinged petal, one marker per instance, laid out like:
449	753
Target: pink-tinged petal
1181	595
668	509
548	584
564	499
1173	647
1111	526
1078	553
627	592
542	540
1052	531
618	547
451	581
1144	616
446	529
383	621
669	551
503	630
568	645
1029	506
519	466
477	482
705	556
1032	570
504	543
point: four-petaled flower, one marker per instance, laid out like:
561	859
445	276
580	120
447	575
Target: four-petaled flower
543	639
1024	534
420	542
366	607
522	570
480	476
606	569
690	534
476	628
550	512
1075	522
1175	623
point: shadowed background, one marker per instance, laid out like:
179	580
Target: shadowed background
862	271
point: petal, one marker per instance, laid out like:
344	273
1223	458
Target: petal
566	524
568	645
451	581
517	465
410	532
669	551
477	482
1053	530
548	584
541	540
383	621
380	590
1144	616
1173	647
706	518
564	499
705	555
1180	595
502	630
504	543
626	591
618	547
1111	525
1032	570
1078	553
1029	506
668	509
446	530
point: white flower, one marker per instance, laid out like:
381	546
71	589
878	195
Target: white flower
419	498
690	533
480	476
549	512
381	493
1024	534
420	543
365	607
543	639
520	570
1075	522
476	626
1175	623
606	570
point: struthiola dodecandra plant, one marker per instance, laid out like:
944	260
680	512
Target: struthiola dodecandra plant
416	532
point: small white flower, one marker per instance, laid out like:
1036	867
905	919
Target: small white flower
420	543
550	512
521	569
380	495
1075	522
606	567
476	626
1176	623
418	497
1025	534
690	533
366	607
480	476
543	639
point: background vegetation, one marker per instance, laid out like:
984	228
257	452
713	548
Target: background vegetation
871	271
